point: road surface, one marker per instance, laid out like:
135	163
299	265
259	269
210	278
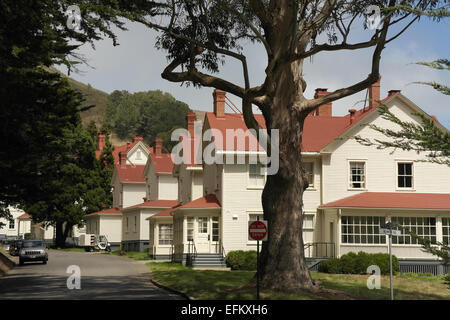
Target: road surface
103	276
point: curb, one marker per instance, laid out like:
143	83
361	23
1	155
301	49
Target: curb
6	263
159	285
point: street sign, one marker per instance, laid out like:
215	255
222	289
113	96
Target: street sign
390	232
257	230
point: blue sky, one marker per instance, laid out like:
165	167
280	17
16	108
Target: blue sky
136	65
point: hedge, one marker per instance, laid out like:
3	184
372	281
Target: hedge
241	260
353	263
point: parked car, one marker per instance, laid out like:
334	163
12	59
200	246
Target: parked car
6	245
14	247
33	250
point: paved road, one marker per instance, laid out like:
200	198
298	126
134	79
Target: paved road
102	277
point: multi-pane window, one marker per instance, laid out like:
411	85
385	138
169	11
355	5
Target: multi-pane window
202	224
165	234
215	228
423	227
357	175
190	229
404	175
256	175
309	168
12	224
308	221
362	230
446	230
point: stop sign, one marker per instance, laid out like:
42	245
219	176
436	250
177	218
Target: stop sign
257	230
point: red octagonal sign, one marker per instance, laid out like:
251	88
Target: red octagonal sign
257	230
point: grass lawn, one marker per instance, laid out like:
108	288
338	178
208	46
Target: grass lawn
135	255
210	284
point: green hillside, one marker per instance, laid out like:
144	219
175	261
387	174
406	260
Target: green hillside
92	96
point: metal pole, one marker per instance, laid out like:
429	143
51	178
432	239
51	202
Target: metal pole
257	270
390	263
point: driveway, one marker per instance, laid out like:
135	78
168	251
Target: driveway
103	276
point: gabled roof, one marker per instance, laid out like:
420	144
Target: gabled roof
162	162
130	173
164	213
319	131
208	201
154	204
394	200
110	211
24	216
127	148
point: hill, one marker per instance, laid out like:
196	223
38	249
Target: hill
92	96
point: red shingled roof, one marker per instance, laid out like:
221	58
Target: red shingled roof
319	131
155	204
131	173
162	162
110	211
24	216
165	213
208	201
125	148
397	200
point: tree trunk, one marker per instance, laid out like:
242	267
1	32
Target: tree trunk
62	231
283	265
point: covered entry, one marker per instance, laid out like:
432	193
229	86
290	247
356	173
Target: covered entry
197	227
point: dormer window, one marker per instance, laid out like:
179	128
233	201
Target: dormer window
138	155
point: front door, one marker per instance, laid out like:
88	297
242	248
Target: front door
203	235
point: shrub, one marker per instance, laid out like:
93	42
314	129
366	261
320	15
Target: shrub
353	263
241	260
447	279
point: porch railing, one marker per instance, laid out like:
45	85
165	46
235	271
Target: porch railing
320	250
192	252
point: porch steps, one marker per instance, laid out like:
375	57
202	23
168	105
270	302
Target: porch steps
209	260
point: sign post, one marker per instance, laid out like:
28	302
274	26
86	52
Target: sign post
387	229
257	230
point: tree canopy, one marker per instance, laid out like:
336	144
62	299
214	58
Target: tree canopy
150	114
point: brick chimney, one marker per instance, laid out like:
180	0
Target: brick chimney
137	138
325	109
190	120
158	146
101	141
352	115
374	93
122	159
219	103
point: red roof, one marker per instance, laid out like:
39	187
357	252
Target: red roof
125	148
165	213
319	131
208	201
397	200
155	204
110	211
131	173
162	162
24	216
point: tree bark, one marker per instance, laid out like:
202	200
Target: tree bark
283	265
62	231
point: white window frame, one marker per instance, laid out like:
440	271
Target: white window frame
13	221
166	242
249	179
414	228
372	225
350	175
397	162
445	226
